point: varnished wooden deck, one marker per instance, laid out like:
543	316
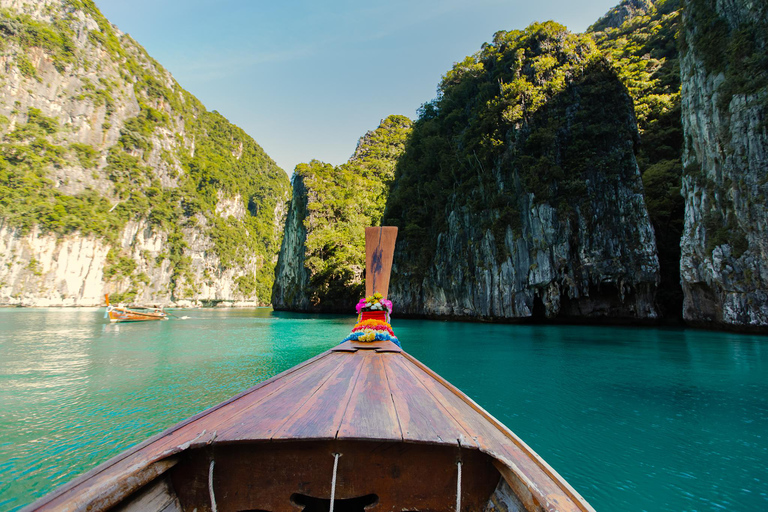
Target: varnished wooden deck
348	393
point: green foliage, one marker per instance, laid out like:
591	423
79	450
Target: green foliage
99	95
86	154
342	201
105	35
738	50
247	285
124	168
221	162
231	240
28	197
535	112
56	38
118	266
644	53
36	128
124	297
34	267
724	229
227	163
26	67
48	124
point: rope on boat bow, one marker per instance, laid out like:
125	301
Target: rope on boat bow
210	488
458	488
458	476
333	480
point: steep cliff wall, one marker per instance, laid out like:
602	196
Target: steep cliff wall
290	291
724	70
322	260
519	195
639	39
101	151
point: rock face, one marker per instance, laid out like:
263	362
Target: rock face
556	269
644	51
291	276
519	196
322	260
622	13
45	270
724	72
111	173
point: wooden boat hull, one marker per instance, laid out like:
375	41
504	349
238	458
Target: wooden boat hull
401	432
118	314
363	426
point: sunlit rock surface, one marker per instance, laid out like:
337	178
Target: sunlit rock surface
724	66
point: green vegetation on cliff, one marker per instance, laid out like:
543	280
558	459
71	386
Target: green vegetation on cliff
502	127
173	163
738	50
644	51
341	202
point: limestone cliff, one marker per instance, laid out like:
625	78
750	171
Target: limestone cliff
619	15
639	39
112	174
518	194
291	276
724	72
322	259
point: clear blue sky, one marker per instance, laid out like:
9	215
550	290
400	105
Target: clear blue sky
307	78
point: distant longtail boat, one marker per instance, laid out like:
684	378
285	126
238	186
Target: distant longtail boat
121	313
362	426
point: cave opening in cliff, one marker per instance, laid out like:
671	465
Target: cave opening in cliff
539	311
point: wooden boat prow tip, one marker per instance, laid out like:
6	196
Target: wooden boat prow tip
362	426
379	254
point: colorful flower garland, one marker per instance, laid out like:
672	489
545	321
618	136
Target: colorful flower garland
375	302
373	329
373	325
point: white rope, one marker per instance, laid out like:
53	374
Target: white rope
333	481
458	488
210	488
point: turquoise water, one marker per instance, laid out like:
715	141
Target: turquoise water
635	419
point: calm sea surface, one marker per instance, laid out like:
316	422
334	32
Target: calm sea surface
635	419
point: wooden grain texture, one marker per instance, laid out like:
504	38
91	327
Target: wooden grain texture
379	250
371	413
155	497
344	347
262	420
110	488
340	397
378	346
320	416
422	417
405	476
232	416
